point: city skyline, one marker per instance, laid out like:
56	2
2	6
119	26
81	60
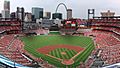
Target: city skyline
79	7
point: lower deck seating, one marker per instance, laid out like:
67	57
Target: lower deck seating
11	48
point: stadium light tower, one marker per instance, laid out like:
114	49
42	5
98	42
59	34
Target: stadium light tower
91	12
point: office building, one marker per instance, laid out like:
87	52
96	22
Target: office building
57	16
69	13
107	14
13	15
47	15
28	17
6	5
5	14
47	23
37	12
6	11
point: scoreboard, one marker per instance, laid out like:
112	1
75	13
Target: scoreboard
71	23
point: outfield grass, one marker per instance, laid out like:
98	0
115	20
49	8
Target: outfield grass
34	42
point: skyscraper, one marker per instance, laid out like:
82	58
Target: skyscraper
6	11
6	5
69	13
37	12
5	14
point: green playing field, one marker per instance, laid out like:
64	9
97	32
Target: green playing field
32	43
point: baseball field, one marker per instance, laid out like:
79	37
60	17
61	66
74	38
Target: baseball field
60	51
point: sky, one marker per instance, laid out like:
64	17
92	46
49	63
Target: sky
79	7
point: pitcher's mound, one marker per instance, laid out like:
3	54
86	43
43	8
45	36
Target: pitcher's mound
63	53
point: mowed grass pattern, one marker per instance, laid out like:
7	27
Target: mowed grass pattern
58	53
32	43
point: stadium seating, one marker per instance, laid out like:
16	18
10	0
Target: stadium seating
11	48
13	25
89	62
107	24
40	31
107	38
108	41
109	45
